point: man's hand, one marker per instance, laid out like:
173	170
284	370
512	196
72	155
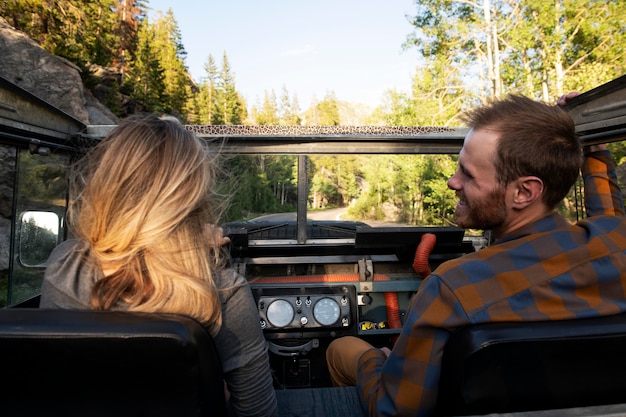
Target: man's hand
386	351
562	101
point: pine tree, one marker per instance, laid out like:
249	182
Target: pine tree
325	112
206	98
146	81
268	113
80	31
171	56
129	15
289	109
231	109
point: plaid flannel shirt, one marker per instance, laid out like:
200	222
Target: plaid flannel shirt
549	270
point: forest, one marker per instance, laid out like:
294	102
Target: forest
470	52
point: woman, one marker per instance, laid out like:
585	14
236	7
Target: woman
140	209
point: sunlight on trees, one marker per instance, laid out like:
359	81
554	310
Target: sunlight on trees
470	52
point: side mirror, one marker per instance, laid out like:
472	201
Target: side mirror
38	236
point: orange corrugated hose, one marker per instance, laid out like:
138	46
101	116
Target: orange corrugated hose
425	247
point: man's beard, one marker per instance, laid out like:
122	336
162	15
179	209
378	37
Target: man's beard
487	214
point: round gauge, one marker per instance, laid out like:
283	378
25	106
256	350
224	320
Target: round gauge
280	313
326	311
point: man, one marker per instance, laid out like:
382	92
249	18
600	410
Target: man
519	160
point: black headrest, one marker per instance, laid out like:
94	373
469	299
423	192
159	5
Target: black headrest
511	367
88	363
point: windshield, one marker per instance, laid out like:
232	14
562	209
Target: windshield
348	176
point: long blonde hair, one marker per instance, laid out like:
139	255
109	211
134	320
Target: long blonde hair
141	199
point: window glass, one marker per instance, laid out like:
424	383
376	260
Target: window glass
40	211
39	234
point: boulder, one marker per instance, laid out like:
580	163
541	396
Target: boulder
49	77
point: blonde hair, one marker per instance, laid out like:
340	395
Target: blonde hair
141	199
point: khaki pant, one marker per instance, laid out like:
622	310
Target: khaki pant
342	357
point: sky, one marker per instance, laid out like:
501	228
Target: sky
352	48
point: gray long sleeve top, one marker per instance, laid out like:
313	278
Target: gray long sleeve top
67	285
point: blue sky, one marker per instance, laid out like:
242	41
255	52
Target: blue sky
350	47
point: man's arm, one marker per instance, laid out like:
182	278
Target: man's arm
406	382
602	193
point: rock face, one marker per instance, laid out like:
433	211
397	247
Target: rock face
54	80
49	77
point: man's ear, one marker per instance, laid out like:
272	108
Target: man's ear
526	191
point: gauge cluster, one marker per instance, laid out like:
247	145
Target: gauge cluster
306	309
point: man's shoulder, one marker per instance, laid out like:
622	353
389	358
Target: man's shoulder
512	254
606	223
520	256
471	260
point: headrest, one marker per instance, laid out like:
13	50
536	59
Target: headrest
511	367
95	363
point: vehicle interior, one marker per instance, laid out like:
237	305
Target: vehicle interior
314	279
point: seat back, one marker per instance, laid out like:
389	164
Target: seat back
511	367
94	363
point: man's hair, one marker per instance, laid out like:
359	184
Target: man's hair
535	139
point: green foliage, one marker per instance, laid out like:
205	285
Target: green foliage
80	31
324	113
146	79
284	112
407	189
41	187
171	54
533	47
268	113
366	208
439	200
289	109
157	74
41	179
334	180
436	99
36	243
257	185
231	109
205	101
397	109
470	52
110	99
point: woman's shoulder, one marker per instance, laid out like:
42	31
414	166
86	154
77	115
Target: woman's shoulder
68	250
230	284
68	276
228	278
70	262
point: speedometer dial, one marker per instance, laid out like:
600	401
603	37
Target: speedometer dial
280	313
326	311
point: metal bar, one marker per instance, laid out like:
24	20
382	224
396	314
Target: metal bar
33	141
599	113
303	193
330	259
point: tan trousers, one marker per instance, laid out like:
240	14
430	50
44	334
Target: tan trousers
342	357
